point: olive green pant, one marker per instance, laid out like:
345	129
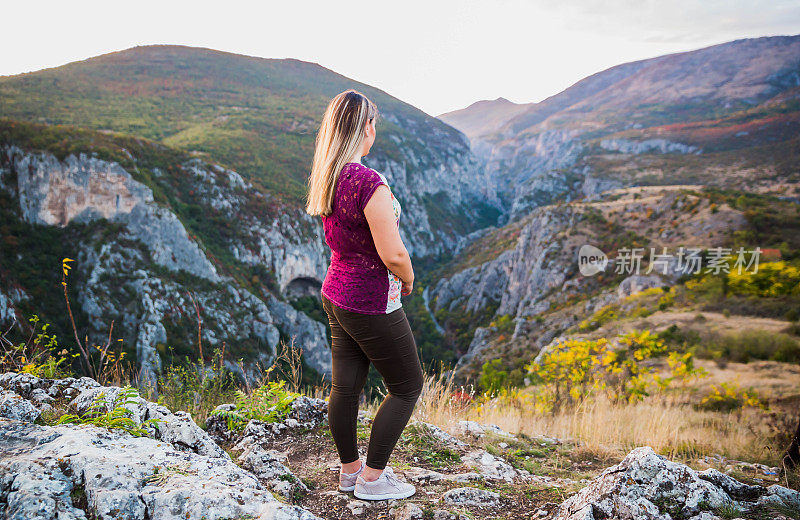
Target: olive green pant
386	341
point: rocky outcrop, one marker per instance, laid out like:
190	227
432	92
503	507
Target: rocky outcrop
123	281
176	472
467	496
518	278
647	146
28	396
46	470
637	283
648	486
83	188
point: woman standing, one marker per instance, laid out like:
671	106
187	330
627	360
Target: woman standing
370	268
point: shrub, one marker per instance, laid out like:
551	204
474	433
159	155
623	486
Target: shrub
728	396
115	417
268	403
196	388
38	355
493	378
771	279
577	368
746	345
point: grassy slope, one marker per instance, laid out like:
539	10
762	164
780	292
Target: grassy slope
257	116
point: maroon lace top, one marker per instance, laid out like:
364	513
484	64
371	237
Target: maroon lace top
357	279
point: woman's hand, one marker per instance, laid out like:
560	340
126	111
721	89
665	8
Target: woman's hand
407	288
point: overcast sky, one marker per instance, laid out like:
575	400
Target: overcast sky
436	55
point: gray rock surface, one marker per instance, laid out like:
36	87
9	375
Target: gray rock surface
13	406
407	511
468	496
44	468
82	471
637	283
492	467
268	466
648	486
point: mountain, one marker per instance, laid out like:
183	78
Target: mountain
173	176
731	107
697	149
483	116
259	118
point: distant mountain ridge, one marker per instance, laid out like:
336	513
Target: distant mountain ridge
746	72
484	116
732	96
628	149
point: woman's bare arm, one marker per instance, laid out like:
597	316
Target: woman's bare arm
383	227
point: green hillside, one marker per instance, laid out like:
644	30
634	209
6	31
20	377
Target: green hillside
257	116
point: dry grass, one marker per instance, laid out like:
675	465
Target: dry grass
676	430
607	430
771	379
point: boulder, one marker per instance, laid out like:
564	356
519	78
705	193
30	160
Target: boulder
469	496
267	466
439	434
37	393
648	486
13	406
492	467
637	283
422	475
477	430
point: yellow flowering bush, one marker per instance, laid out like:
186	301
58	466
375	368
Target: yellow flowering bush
729	396
771	279
576	369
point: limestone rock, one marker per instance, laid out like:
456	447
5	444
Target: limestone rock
422	475
406	511
648	486
637	283
357	507
13	406
491	467
268	466
478	430
439	434
468	496
44	467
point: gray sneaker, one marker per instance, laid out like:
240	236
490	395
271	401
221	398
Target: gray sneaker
347	481
386	487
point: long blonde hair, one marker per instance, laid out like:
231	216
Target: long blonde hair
340	136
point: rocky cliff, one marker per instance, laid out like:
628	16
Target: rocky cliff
142	269
529	268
